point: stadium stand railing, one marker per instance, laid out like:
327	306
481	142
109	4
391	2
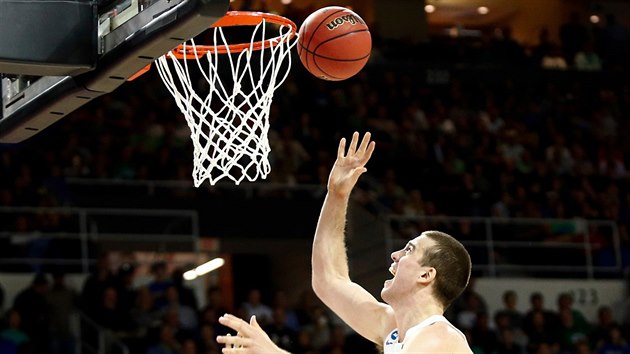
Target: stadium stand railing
523	246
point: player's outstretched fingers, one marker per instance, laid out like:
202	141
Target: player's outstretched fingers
242	339
233	322
341	151
366	148
353	144
230	341
364	143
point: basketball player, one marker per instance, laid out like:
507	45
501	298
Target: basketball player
429	273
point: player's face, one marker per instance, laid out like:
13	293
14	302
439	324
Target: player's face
406	268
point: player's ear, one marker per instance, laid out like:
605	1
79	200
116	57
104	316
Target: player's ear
427	275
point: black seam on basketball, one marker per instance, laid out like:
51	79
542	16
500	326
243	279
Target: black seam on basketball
343	60
339	36
304	48
324	71
305	62
320	23
300	46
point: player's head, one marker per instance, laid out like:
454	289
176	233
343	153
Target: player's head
452	264
432	259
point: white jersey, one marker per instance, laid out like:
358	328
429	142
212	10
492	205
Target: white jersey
391	344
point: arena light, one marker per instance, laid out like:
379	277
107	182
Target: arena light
483	10
286	2
594	19
205	268
429	9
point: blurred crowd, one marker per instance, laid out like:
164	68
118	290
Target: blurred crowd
490	131
464	126
165	316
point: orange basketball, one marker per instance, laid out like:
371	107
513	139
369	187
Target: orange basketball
334	43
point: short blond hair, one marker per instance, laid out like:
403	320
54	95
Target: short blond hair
452	263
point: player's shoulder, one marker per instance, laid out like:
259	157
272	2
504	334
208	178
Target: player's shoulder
439	337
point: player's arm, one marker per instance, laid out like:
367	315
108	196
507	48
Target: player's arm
437	338
330	276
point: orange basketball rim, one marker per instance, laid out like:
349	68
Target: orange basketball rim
231	19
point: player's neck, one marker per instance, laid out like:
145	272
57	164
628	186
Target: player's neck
409	315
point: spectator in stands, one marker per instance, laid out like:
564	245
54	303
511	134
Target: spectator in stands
288	155
187	315
303	344
582	165
186	295
511	148
216	306
167	343
571	333
306	302
337	342
100	279
506	343
161	281
559	156
601	330
189	346
582	347
466	317
318	328
210	316
501	208
565	303
14	333
207	340
291	319
482	335
31	304
125	286
587	59
62	304
107	313
465	308
614	343
515	317
171	319
541	339
143	316
281	334
254	306
549	322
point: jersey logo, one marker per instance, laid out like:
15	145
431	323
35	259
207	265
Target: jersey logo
393	338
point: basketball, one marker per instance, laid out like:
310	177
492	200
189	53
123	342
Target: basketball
334	43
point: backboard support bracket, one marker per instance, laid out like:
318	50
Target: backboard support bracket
127	49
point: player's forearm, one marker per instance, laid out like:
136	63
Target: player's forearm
329	259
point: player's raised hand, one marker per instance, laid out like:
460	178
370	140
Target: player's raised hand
350	164
250	338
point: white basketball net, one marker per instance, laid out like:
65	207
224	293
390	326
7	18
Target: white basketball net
229	125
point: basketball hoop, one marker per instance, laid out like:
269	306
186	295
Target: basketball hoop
229	125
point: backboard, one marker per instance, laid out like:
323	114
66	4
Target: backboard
46	76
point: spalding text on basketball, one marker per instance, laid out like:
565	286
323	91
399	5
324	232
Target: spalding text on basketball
336	22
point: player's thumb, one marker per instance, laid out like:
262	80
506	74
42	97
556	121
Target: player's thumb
357	172
253	322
